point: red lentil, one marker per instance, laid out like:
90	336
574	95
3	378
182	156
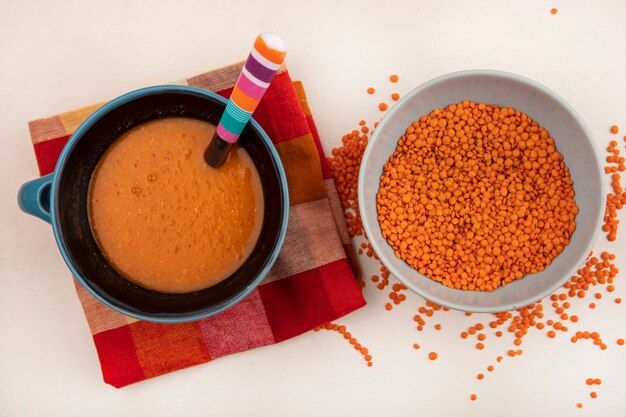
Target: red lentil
344	166
346	335
435	180
617	198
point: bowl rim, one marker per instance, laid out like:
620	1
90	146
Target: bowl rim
376	242
156	317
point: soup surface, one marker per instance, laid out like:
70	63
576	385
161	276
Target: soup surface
165	219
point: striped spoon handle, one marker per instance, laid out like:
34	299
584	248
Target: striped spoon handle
258	72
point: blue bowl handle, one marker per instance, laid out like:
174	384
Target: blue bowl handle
34	197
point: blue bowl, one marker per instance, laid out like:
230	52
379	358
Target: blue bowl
61	199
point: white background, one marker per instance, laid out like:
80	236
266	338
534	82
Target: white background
57	57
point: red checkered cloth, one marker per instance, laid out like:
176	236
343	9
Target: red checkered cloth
312	282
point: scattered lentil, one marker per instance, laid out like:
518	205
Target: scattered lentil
344	165
346	335
616	199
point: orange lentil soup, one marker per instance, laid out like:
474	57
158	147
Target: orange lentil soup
163	218
476	196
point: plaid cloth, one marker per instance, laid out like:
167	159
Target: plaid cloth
312	282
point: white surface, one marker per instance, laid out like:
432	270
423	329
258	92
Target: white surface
63	56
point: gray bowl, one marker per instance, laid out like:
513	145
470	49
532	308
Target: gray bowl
573	140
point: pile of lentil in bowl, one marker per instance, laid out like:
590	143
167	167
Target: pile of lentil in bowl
476	196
